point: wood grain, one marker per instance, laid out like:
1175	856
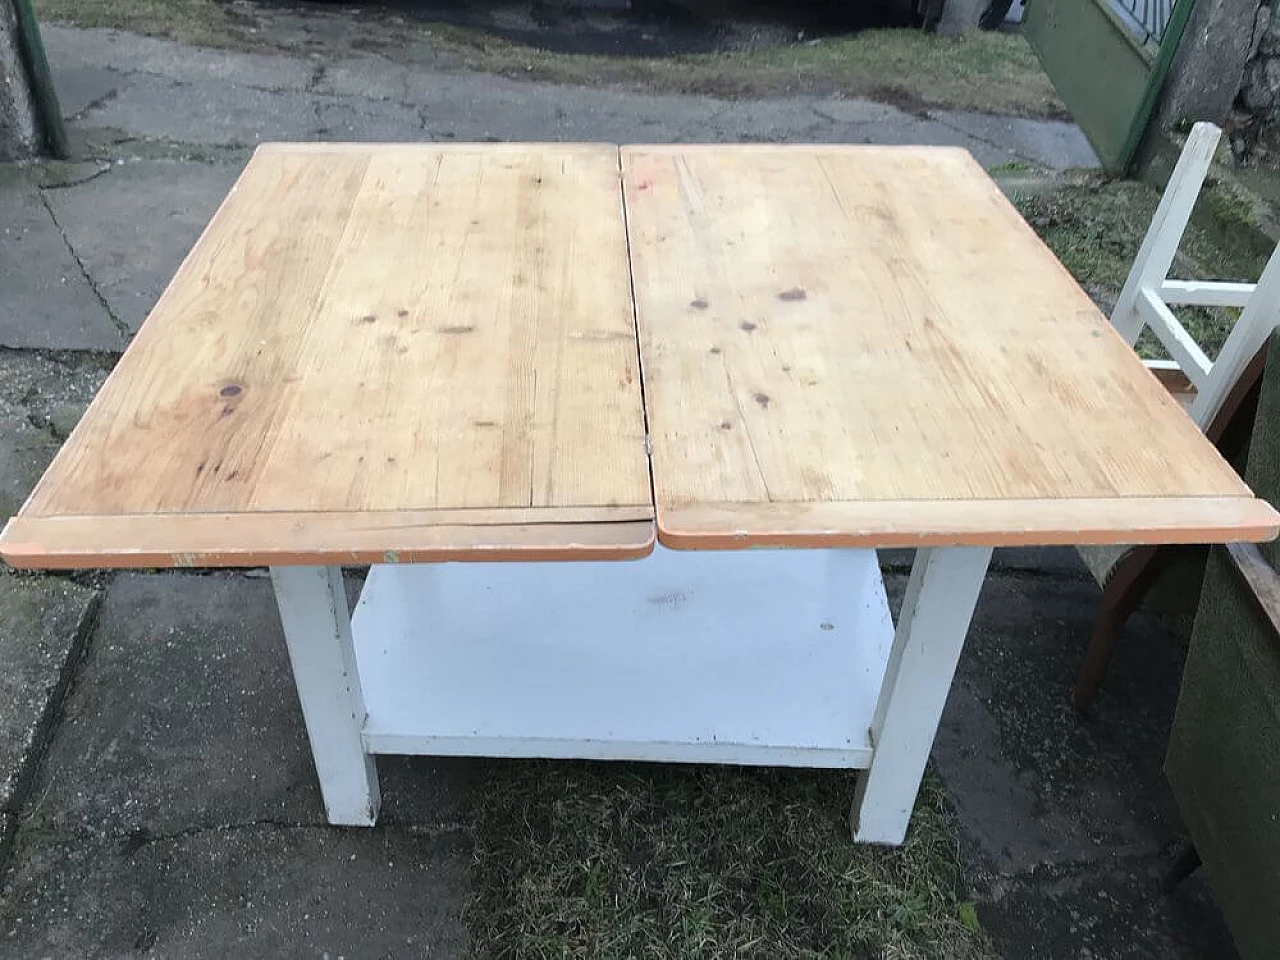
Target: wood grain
949	523
829	330
284	539
381	329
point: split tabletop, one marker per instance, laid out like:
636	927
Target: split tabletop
424	353
402	355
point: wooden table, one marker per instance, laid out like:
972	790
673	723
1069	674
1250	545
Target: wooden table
405	355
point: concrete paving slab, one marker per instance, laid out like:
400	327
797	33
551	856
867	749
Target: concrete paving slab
45	300
258	890
372	78
41	400
1037	782
132	226
136	54
367	121
1050	143
78	86
1121	915
212	112
44	622
181	94
185	716
1067	819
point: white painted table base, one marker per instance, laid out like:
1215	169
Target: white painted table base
776	657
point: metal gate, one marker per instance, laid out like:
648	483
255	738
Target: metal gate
1108	60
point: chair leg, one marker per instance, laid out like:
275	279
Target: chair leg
1129	582
1184	865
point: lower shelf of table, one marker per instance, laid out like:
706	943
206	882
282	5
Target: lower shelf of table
753	657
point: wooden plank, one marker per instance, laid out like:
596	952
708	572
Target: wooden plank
317	632
1261	584
456	660
1203	293
948	523
402	328
941	594
853	333
280	539
1192	360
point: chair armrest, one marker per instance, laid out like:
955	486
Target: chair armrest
1260	581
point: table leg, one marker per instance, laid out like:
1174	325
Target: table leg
317	629
936	611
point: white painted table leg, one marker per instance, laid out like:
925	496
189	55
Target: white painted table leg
936	611
317	629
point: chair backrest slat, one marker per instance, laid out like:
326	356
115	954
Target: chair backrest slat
1148	291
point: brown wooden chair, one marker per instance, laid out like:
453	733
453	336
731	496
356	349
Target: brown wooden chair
1126	573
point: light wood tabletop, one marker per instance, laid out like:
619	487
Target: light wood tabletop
869	346
416	353
373	353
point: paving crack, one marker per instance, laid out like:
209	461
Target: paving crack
955	128
317	75
132	841
64	184
96	103
84	270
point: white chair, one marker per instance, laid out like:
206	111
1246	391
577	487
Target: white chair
1213	391
1148	292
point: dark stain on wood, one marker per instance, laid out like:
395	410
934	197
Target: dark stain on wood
726	425
795	293
698	303
715	350
367	318
485	423
402	312
231	390
747	325
762	399
457	328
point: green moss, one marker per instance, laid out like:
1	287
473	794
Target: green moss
1096	226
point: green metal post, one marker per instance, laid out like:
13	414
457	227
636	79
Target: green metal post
1159	71
32	47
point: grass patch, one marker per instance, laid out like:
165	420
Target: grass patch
629	860
989	71
1095	226
198	22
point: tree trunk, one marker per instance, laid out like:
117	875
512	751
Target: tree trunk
961	16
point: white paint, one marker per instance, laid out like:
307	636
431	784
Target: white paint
1186	352
1160	245
936	611
760	657
1206	293
1148	289
313	611
1260	316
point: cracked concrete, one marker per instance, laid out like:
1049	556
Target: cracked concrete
132	227
49	303
255	891
206	98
